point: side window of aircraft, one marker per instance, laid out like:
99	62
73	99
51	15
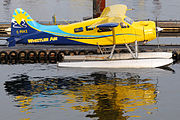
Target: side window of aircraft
78	29
104	29
123	25
128	20
89	28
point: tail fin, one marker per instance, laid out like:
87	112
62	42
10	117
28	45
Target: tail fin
21	24
21	20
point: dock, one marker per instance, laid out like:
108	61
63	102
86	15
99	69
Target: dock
170	28
22	54
4	30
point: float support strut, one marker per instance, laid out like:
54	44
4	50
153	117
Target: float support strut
136	49
114	43
130	50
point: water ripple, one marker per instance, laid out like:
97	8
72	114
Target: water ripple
99	94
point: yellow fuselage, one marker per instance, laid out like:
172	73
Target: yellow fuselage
129	33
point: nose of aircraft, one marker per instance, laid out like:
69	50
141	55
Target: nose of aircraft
150	31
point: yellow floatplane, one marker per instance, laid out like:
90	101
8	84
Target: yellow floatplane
112	28
124	31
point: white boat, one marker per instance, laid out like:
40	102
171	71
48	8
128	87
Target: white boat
133	63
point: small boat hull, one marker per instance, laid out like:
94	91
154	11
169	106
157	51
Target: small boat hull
132	63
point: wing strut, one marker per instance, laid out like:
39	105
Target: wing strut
110	25
114	43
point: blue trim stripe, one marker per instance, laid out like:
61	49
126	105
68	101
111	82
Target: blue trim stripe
99	37
18	11
29	18
14	13
54	30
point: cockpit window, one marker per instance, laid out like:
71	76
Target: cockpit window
128	20
89	28
78	29
123	25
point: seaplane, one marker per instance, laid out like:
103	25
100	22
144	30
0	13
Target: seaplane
112	28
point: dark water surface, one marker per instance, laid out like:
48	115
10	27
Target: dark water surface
46	92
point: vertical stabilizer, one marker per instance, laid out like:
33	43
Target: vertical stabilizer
21	25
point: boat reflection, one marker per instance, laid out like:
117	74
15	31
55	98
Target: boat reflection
101	95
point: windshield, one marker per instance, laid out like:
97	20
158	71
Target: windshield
128	20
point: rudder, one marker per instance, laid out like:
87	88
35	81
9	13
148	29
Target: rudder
22	24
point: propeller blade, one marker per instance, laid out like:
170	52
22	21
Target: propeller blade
158	29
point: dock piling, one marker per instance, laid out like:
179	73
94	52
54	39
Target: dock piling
98	7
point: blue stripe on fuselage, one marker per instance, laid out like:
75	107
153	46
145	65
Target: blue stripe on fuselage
41	35
55	30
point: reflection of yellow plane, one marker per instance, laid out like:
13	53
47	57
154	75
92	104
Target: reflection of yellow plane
113	100
107	96
112	23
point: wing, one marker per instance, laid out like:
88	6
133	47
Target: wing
118	10
112	14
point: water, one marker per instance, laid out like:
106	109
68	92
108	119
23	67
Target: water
43	10
44	91
63	9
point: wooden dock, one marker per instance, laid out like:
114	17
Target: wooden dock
52	54
3	30
170	28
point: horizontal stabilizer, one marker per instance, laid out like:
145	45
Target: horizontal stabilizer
12	41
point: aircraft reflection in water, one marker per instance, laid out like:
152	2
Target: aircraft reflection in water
102	94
